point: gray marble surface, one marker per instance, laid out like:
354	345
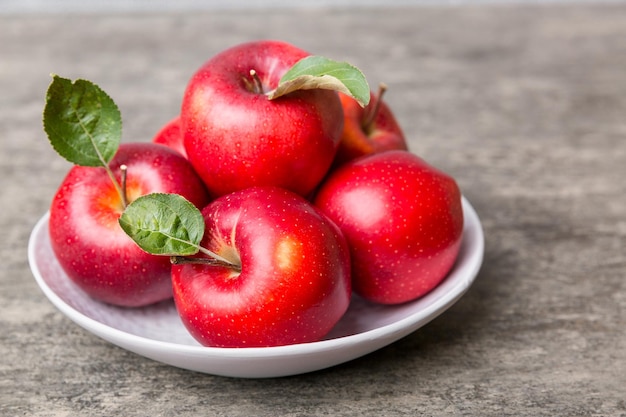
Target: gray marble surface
525	105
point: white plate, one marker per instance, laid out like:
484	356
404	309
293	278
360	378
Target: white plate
157	333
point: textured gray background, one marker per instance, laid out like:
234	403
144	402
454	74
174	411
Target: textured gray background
525	105
134	6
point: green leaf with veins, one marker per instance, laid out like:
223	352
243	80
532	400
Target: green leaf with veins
320	72
82	122
164	224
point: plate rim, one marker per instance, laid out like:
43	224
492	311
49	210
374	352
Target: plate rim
389	332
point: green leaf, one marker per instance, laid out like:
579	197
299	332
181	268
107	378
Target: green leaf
82	122
164	224
320	72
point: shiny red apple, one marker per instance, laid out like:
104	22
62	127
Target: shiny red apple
171	135
236	137
403	221
89	243
369	129
289	278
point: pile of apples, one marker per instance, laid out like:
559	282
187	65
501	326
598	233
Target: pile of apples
260	213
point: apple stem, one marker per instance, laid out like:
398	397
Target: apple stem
219	261
123	193
258	85
371	117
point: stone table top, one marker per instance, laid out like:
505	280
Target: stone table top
524	105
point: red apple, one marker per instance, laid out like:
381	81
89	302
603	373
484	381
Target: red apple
369	129
89	243
292	284
236	137
171	135
403	221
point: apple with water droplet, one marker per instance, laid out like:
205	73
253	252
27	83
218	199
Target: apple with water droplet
237	137
403	221
285	278
369	129
86	238
171	135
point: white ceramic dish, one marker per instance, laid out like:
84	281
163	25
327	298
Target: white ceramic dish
157	333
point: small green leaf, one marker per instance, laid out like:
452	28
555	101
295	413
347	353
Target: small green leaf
164	224
83	123
320	72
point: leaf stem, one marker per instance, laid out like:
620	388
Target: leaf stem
371	116
219	258
182	260
121	191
